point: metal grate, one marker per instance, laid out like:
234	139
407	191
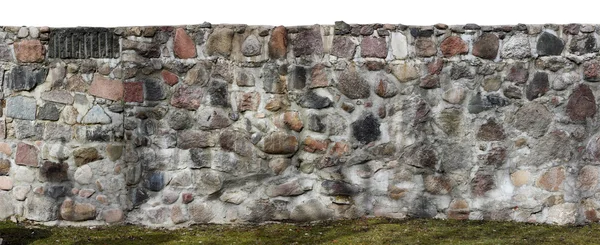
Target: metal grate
83	43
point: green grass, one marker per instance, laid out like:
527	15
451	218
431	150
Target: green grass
361	231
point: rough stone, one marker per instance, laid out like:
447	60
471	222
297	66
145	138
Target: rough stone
187	97
581	104
278	43
583	44
405	72
552	179
591	70
520	178
308	42
280	143
461	70
49	111
453	45
399	45
29	51
425	47
491	131
375	47
54	172
562	214
96	115
219	42
83	175
517	74
74	211
533	118
26	155
194	139
251	46
353	85
293	121
183	46
454	95
343	47
21	107
312	100
549	44
386	88
25	78
248	101
312	209
58	96
133	92
85	155
106	88
516	47
113	215
4	166
538	86
6	183
366	129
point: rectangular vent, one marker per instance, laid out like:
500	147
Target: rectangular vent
83	43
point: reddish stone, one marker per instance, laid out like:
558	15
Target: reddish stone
425	47
435	66
293	121
314	145
491	131
318	77
248	101
169	77
482	183
26	155
106	88
437	185
552	179
187	198
187	97
582	103
28	51
486	46
453	45
339	149
518	74
430	81
373	65
280	143
183	46
278	43
591	71
375	47
134	91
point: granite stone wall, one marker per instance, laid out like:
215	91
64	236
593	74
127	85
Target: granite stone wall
165	126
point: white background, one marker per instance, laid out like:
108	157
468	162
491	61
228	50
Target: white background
110	13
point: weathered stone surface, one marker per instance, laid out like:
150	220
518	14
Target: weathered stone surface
74	211
251	46
6	53
311	99
49	111
405	72
308	42
533	118
54	172
552	179
454	95
588	178
194	139
20	192
280	143
272	82
517	74
6	183
366	129
425	47
133	92
538	86
278	43
26	155
591	70
219	42
248	101
461	70
386	88
453	45
293	121
96	115
549	44
83	175
352	84
312	209
25	78
187	97
28	51
482	183
58	96
375	47
562	214
520	178
486	46
582	103
4	166
516	47
113	215
183	46
85	155
179	119
583	44
343	47
491	131
21	107
106	88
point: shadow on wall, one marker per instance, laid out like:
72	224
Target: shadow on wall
22	235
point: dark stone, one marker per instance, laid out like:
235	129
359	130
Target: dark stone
423	207
201	158
486	46
83	43
188	139
341	28
155	181
497	100
420	155
312	100
308	42
571	29
25	78
144	49
49	111
353	85
57	191
339	188
138	196
97	134
271	81
591	70
314	123
298	78
549	44
54	172
582	103
217	91
513	92
538	86
235	141
85	155
366	30
491	131
4	166
425	47
583	44
496	157
517	74
477	104
366	130
154	89
471	26
179	119
430	81
461	70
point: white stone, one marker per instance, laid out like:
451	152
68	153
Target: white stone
399	45
6	183
454	95
235	197
20	192
83	175
96	115
562	214
34	32
517	47
23	32
24	174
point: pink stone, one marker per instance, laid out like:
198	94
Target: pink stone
169	77
26	155
187	97
112	215
28	51
106	88
5	148
453	45
86	193
134	92
183	46
373	47
6	183
102	199
187	198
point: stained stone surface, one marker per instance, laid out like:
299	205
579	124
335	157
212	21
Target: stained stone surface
182	125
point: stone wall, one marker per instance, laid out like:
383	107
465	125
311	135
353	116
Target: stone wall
178	125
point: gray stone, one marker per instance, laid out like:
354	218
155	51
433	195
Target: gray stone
187	139
516	47
6	53
54	172
583	44
25	129
218	93
155	181
58	96
314	123
25	78
49	111
20	192
271	81
40	208
6	209
461	70
219	42
200	212
251	46
153	89
201	158
235	197
549	44
208	181
538	86
343	47
339	188
312	209
533	118
21	107
96	115
352	84
562	214
310	99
